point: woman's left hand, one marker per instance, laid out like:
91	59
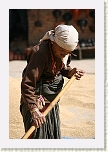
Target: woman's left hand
79	73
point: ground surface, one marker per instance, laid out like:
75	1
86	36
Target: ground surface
77	105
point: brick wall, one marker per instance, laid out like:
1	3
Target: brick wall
20	47
48	21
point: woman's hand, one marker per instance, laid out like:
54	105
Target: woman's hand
78	73
37	117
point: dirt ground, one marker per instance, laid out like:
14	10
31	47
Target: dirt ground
77	109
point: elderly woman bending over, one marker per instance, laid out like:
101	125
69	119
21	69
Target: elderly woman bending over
43	80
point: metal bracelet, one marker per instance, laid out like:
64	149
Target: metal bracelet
34	110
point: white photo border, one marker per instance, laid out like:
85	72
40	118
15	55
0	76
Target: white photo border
98	142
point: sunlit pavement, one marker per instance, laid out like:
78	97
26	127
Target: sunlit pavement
16	66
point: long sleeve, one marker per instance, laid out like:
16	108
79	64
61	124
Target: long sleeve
66	72
33	72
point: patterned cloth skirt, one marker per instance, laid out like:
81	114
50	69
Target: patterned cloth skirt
51	128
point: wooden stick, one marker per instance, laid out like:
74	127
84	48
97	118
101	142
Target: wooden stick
51	105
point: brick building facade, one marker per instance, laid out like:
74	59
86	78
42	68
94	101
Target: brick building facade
48	21
39	21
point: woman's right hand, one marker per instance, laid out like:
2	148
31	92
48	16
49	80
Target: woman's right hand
37	117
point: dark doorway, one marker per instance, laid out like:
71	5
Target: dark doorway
18	24
18	30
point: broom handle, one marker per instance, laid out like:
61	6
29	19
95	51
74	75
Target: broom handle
51	105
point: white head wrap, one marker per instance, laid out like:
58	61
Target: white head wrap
66	36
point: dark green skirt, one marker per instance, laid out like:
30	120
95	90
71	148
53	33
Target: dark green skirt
51	128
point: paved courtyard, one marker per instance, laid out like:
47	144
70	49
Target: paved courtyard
16	66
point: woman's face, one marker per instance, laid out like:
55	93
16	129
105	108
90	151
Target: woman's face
58	51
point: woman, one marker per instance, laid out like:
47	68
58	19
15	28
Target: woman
43	80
